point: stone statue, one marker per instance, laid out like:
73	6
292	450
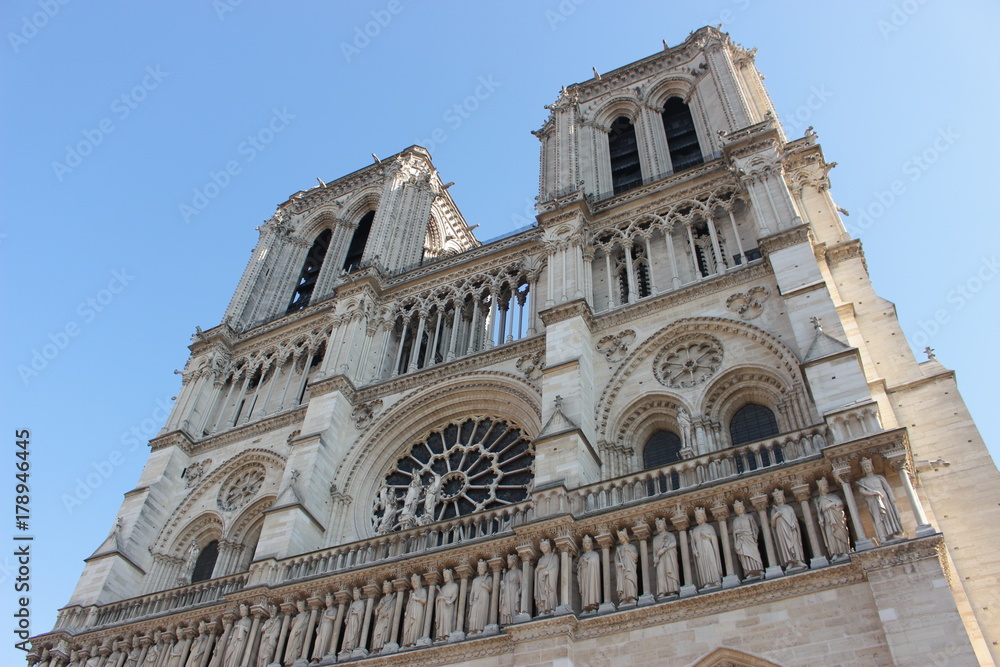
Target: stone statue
152	655
431	494
408	517
198	647
510	591
665	559
881	503
297	634
705	547
787	538
268	638
353	622
175	655
388	520
546	579
326	626
684	428
626	569
413	620
238	634
445	606
383	616
133	656
189	562
479	599
745	534
588	575
832	521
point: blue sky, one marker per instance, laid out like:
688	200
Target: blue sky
143	142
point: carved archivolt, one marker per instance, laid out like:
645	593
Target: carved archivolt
365	414
688	362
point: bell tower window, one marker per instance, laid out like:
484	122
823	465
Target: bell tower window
357	247
310	272
682	140
626	172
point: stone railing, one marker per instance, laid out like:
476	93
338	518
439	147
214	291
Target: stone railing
422	539
163	602
691	473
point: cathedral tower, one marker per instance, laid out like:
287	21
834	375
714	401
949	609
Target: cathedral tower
670	423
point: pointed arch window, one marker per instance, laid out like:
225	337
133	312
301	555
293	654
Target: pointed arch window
626	172
662	448
356	249
310	272
205	564
682	140
752	422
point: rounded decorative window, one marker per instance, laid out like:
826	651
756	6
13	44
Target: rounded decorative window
688	363
241	487
464	467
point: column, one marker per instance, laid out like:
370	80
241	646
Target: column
464	571
694	253
405	325
473	325
492	319
633	287
842	473
900	465
610	279
605	542
288	380
342	597
212	629
736	236
668	238
641	532
400	586
315	604
371	592
492	627
432	348
720	263
567	549
649	263
802	494
720	512
510	311
527	554
456	319
759	503
680	522
258	613
432	578
305	377
417	340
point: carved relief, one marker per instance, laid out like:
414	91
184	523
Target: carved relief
531	365
749	304
615	346
689	363
365	413
194	472
241	487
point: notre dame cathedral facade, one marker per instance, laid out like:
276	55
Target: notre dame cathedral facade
671	423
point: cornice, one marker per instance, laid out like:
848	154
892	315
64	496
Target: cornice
845	251
247	431
566	311
785	239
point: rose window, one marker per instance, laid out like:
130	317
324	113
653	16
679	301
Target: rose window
689	363
465	467
241	487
